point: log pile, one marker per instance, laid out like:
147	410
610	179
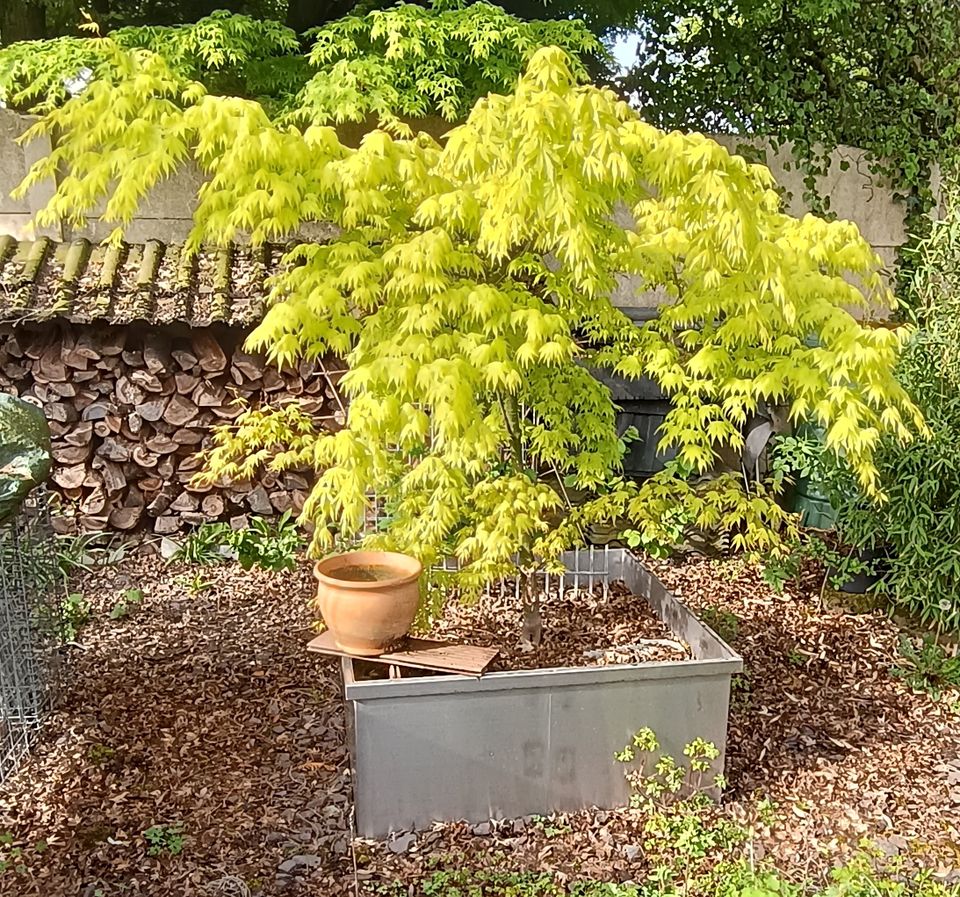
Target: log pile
130	407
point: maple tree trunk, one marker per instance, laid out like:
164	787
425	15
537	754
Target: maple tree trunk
532	621
22	20
304	14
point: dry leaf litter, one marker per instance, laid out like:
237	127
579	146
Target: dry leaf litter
202	708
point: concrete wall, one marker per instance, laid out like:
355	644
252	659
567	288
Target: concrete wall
15	161
165	214
855	193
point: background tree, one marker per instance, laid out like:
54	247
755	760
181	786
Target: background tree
881	76
42	19
38	19
409	60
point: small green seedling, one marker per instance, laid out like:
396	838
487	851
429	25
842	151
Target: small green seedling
15	859
127	604
199	584
927	668
75	614
551	826
722	622
164	839
101	754
796	658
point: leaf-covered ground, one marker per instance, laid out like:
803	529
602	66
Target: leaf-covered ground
199	711
584	626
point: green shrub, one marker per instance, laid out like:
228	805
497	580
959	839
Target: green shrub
270	545
919	521
209	543
839	563
267	544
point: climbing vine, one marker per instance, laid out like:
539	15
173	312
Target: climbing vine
813	75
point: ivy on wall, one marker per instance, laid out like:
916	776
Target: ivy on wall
814	74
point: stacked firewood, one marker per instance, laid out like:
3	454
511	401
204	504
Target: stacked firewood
129	410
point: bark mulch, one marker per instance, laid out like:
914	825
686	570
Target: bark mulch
201	708
822	725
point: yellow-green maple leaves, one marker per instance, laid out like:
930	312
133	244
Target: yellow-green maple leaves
468	286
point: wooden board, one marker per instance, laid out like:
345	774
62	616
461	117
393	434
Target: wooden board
420	653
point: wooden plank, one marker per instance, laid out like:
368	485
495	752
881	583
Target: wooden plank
469	659
418	653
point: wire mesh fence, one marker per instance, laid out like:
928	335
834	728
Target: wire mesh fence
31	628
587	568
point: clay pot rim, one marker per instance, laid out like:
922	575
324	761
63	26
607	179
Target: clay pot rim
408	569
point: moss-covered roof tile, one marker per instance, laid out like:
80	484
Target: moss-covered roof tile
153	282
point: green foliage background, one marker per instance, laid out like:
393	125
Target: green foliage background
921	520
411	61
881	76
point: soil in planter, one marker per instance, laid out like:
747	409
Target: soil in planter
364	573
580	628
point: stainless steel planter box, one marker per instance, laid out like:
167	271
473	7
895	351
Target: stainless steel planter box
531	742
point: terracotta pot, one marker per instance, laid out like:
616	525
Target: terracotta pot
368	599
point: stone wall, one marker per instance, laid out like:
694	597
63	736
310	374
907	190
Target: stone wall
854	192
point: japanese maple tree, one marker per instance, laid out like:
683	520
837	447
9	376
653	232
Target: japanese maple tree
469	288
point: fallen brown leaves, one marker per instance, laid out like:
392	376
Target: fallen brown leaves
584	627
203	708
198	708
821	726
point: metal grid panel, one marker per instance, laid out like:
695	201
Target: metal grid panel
31	629
513	743
586	568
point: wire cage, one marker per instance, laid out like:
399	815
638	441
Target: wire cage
32	630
